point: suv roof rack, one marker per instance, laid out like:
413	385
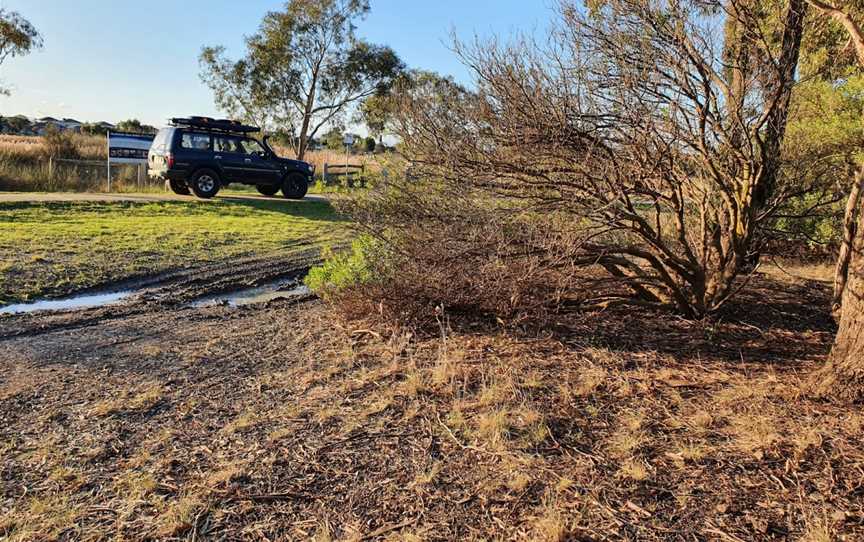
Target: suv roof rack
215	125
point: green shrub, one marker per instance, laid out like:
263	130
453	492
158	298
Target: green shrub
810	221
344	271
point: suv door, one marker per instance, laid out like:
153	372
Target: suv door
228	151
263	169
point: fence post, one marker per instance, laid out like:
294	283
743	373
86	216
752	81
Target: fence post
51	168
108	162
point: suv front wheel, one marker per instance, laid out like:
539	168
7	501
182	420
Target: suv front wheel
205	183
295	186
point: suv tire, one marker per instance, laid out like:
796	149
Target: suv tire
179	187
205	183
267	190
294	186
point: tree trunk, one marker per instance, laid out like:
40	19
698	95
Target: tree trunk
850	220
842	378
303	144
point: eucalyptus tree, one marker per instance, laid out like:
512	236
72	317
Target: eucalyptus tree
17	37
303	70
843	376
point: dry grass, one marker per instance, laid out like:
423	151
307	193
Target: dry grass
24	165
484	435
22	147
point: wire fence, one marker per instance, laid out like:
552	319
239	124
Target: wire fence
62	174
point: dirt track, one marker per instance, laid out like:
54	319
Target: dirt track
167	290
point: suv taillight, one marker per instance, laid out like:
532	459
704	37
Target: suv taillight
169	159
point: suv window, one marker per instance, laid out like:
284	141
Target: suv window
199	142
252	146
223	143
163	139
236	144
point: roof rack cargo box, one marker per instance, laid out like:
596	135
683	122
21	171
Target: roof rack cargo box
216	125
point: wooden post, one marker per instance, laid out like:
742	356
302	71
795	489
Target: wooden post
50	168
108	144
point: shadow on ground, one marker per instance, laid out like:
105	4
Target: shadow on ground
313	209
769	322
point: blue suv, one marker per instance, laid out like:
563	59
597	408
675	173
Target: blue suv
201	155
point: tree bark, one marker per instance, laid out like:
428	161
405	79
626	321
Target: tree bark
842	378
850	221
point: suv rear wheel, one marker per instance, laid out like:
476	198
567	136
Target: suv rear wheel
295	186
268	190
205	183
179	187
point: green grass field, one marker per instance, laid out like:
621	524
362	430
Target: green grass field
54	248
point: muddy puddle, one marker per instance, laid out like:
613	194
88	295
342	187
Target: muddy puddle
77	302
253	296
285	289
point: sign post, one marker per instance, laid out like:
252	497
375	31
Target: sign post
348	141
108	135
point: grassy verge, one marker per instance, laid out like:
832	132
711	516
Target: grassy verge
57	247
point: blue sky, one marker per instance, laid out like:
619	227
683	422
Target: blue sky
112	60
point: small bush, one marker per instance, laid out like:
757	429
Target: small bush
345	271
60	144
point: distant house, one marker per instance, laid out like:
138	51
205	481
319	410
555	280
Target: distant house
66	125
71	125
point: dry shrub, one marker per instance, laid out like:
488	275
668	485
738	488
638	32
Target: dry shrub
60	144
429	250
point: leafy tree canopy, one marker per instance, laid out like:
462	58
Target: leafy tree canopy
304	69
17	37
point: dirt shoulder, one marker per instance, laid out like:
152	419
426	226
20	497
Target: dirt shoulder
277	422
